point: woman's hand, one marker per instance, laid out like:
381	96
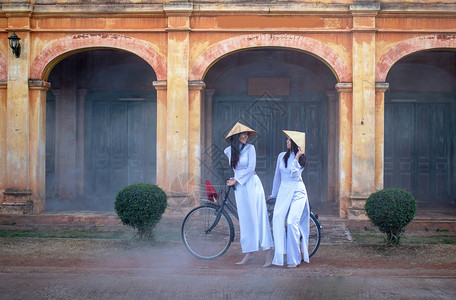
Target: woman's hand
231	182
268	197
299	153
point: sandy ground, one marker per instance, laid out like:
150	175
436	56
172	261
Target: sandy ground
53	268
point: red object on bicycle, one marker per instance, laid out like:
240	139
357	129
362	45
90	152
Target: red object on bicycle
210	192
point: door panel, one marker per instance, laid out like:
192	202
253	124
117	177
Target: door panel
50	146
417	150
268	116
123	148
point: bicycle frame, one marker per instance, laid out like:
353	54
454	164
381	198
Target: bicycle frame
225	203
220	209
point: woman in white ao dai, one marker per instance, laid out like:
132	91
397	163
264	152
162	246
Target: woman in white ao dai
291	199
250	199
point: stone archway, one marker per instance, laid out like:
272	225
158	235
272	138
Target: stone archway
421	102
269	88
56	51
100	121
59	49
339	67
407	47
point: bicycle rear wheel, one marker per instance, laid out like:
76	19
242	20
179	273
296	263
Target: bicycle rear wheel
314	235
197	238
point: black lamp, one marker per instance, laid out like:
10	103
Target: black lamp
14	44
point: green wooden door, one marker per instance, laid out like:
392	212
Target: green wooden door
120	148
268	116
418	137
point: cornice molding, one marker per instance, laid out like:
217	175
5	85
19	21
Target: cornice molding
381	86
160	85
344	87
270	9
178	8
97	10
36	84
364	9
196	85
17	10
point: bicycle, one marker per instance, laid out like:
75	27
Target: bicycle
208	231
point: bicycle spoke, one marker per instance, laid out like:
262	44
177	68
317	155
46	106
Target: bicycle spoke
199	240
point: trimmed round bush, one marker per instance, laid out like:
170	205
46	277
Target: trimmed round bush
391	210
141	206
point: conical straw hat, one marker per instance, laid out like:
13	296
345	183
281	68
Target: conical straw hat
238	128
298	137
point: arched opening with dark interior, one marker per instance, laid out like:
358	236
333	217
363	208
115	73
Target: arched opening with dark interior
100	129
420	128
270	89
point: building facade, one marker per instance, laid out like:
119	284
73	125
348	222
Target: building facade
108	93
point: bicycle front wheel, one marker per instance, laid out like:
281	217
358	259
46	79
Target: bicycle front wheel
206	233
314	235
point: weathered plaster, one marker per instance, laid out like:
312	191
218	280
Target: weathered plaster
345	146
409	46
380	89
37	142
162	117
363	114
315	47
196	88
3	148
359	42
3	67
49	56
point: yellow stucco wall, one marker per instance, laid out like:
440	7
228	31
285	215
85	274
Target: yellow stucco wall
181	40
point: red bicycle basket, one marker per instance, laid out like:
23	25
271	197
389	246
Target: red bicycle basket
210	192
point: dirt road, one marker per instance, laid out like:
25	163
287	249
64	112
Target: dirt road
62	268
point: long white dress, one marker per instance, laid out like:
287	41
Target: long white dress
250	202
291	198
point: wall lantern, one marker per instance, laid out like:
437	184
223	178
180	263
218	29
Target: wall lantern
14	44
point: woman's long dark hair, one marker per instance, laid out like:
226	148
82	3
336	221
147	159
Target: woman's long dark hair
302	159
235	150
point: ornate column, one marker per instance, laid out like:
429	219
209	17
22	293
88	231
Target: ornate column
17	189
363	172
194	139
380	88
37	168
344	151
161	88
177	155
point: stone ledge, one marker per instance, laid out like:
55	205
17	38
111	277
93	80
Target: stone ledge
357	213
365	8
16	208
416	224
17	193
358	204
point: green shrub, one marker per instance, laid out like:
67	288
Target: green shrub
391	210
141	207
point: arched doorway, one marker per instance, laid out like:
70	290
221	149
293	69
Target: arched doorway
271	89
100	128
420	128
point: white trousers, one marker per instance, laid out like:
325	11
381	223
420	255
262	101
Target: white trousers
297	225
253	216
